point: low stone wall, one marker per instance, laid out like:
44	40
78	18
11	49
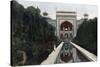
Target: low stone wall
53	56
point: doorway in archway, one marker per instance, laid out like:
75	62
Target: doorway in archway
66	30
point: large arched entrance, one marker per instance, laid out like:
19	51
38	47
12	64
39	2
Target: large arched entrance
66	30
67	26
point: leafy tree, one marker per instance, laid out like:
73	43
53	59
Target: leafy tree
31	35
87	35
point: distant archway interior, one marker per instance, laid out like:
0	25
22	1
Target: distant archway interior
66	26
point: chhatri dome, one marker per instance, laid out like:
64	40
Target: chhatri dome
45	14
86	16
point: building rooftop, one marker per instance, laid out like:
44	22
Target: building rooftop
65	12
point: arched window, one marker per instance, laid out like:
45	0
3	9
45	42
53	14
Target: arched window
61	36
71	35
66	35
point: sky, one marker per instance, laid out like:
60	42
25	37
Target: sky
52	7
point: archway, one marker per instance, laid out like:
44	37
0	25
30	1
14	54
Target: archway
66	27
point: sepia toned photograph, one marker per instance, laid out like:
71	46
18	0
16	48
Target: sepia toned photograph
45	33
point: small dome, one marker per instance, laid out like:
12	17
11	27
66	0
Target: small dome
45	13
85	15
